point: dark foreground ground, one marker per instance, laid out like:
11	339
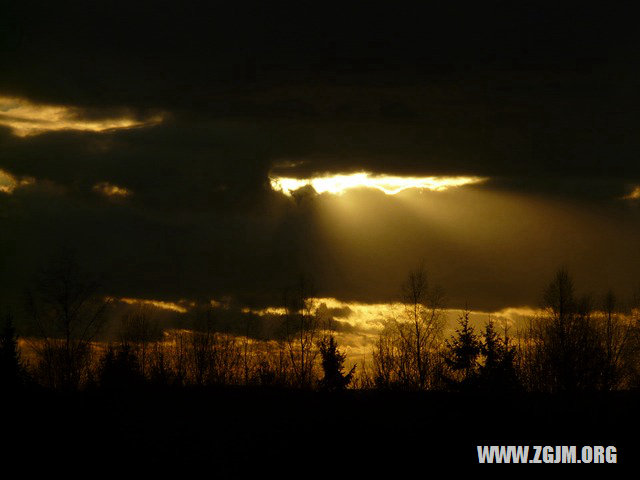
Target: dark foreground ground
228	432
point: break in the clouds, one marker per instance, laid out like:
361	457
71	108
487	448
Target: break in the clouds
388	184
191	153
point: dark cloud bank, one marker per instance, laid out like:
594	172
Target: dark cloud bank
538	98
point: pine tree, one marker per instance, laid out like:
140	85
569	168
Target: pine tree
333	365
498	370
508	375
491	349
463	351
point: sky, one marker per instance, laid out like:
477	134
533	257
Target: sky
202	150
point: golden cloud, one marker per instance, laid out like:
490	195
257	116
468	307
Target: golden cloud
634	195
175	307
26	118
389	184
9	183
110	190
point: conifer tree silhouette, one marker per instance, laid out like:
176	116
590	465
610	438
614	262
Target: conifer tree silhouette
498	370
463	351
333	366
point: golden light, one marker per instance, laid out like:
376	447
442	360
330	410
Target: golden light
110	190
27	118
175	307
8	182
370	318
361	314
265	311
634	195
389	184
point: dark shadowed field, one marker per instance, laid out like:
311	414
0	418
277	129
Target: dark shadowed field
234	431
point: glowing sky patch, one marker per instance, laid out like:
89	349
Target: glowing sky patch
389	184
265	311
27	118
373	315
110	190
8	182
634	195
154	303
364	320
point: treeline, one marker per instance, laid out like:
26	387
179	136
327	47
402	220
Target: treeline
576	343
143	354
66	314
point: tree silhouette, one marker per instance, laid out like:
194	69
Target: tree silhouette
301	329
386	357
67	312
119	368
498	370
406	352
564	345
138	329
160	373
12	372
620	350
333	366
422	326
462	352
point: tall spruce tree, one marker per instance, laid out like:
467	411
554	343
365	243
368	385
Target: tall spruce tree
333	366
497	373
462	352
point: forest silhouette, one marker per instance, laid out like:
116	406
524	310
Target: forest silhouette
574	343
576	363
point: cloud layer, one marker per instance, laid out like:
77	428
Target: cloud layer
176	202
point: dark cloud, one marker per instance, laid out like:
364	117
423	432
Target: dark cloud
537	97
333	313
